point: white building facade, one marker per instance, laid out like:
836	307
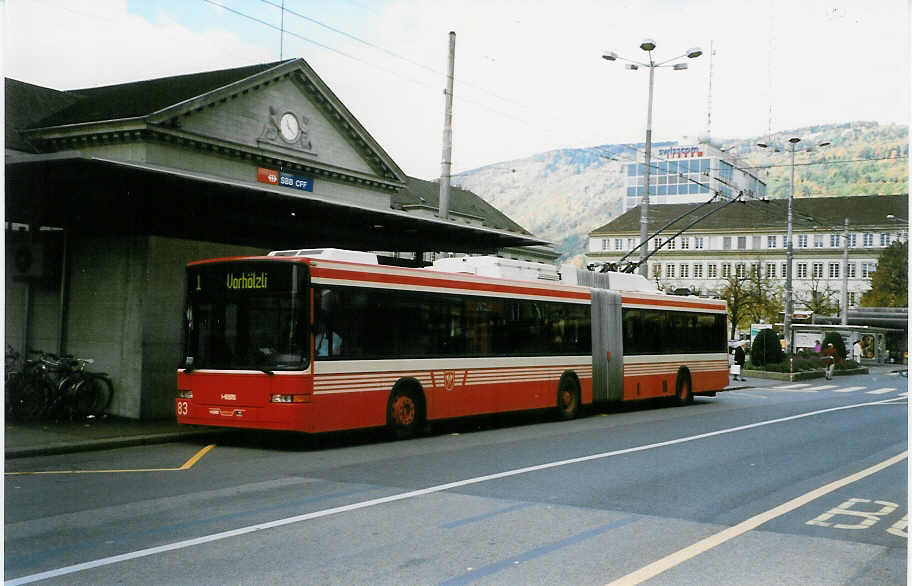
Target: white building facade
742	238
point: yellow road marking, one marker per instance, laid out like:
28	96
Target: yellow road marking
678	557
196	457
186	466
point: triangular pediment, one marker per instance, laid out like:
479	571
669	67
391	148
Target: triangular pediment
279	114
288	113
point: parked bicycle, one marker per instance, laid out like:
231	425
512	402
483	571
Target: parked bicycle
58	387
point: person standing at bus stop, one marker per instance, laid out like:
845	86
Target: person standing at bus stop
739	360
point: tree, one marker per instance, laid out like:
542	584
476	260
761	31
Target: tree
738	293
890	281
819	298
766	348
767	295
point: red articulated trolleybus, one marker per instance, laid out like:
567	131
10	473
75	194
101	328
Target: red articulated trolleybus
324	340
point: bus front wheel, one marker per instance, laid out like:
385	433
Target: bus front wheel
404	413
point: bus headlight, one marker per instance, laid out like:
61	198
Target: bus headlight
181	394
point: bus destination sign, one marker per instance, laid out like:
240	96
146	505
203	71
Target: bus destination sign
274	177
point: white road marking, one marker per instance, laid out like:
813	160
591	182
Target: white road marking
408	495
849	389
821	388
654	569
881	391
794	386
790	390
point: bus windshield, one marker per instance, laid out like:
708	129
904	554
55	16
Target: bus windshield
248	315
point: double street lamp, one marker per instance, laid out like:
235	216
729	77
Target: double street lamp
789	252
649	46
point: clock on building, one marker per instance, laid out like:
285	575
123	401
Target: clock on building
289	127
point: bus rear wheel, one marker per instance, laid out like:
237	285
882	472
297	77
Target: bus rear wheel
404	413
568	399
683	389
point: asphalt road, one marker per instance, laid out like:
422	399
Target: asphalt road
799	485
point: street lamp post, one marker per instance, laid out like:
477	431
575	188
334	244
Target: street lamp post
789	250
844	301
649	46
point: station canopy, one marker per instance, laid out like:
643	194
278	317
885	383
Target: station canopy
263	155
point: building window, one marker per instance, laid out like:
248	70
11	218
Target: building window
853	240
656	271
685	242
771	242
784	269
834	270
885	239
834	240
698	242
618	244
818	240
726	270
698	271
851	270
726	243
739	270
630	244
802	270
867	240
818	270
867	268
712	271
742	242
669	271
851	298
770	270
802	241
604	244
685	271
670	244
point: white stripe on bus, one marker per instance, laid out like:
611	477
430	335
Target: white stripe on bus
456	291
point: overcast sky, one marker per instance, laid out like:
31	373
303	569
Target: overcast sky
529	75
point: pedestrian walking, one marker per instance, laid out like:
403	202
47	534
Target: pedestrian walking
829	359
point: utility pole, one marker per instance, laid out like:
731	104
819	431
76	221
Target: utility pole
446	163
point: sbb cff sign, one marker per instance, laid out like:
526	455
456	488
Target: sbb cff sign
273	177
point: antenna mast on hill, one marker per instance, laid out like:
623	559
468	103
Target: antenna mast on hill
709	95
769	87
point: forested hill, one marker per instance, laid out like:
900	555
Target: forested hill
561	195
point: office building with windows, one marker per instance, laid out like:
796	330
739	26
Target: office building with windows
743	239
687	174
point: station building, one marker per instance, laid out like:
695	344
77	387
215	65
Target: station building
110	191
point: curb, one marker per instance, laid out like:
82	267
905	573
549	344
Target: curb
107	443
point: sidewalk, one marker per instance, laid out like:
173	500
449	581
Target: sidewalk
44	438
23	440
